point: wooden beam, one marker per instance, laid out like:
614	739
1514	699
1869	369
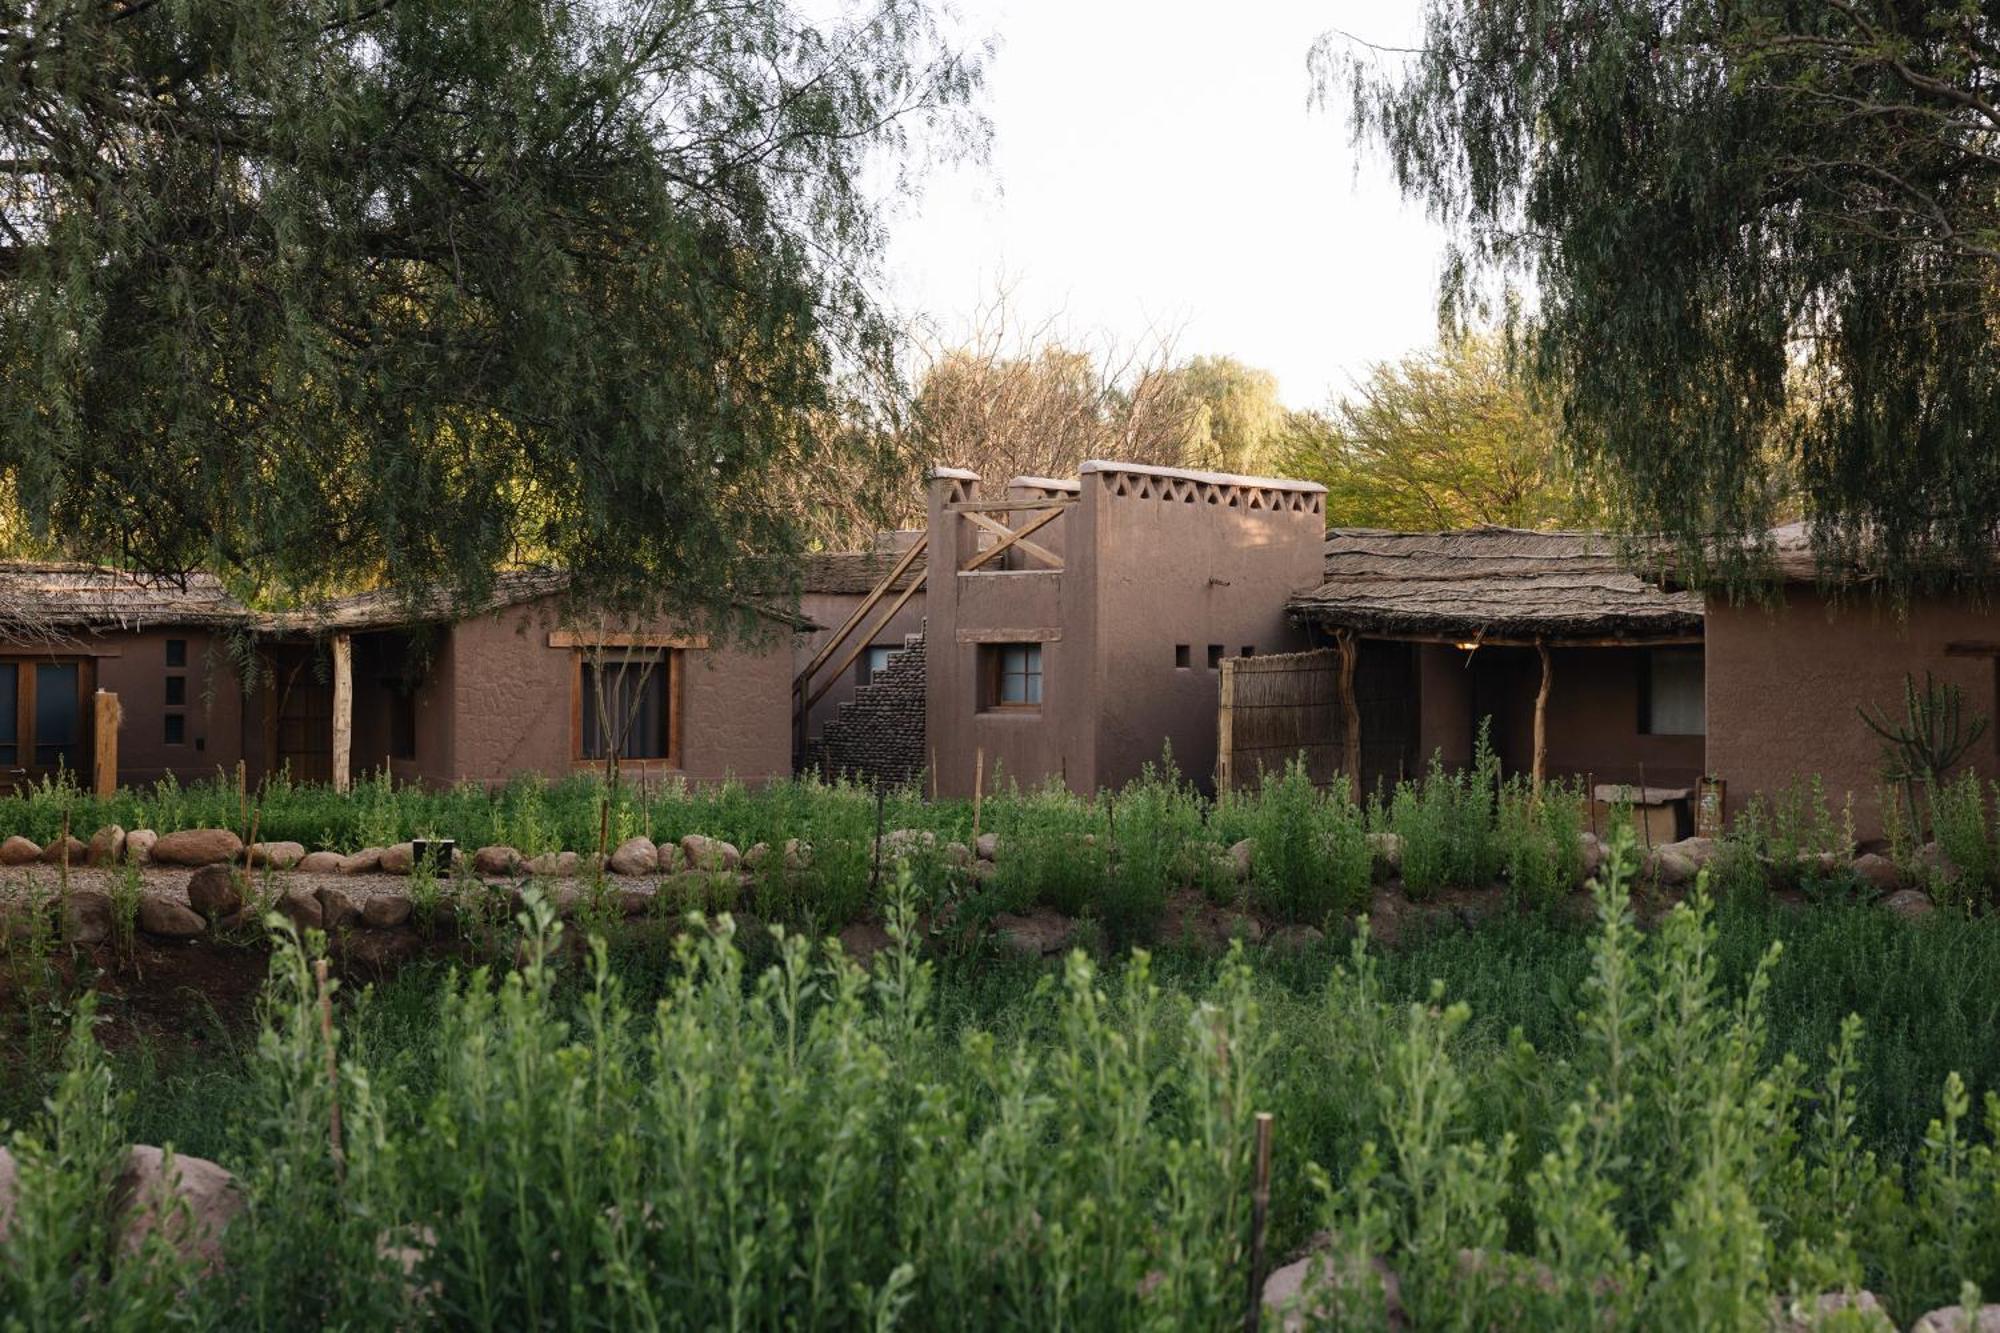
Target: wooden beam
1041	634
1019	538
1350	714
562	638
343	710
860	613
1225	728
104	734
1007	506
1974	648
1542	715
1553	641
1011	537
858	648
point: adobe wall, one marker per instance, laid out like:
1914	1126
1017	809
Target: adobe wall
1593	716
1446	723
1784	684
1180	558
134	667
511	702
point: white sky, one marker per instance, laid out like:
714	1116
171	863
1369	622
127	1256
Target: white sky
1157	165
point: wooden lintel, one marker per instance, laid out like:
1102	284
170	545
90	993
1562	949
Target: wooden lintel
1048	634
1972	648
563	638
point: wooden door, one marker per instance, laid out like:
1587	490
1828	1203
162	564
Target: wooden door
45	715
298	716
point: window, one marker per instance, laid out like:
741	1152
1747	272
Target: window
177	691
1215	657
177	652
1671	701
623	704
1182	657
1249	650
872	663
1010	675
58	715
176	728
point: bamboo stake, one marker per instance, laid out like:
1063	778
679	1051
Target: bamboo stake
332	1063
1260	1207
978	787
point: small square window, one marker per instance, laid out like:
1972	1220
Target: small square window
177	652
1183	658
1249	650
1011	675
177	691
176	733
1215	657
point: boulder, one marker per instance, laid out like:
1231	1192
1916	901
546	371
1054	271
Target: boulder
197	847
560	865
1948	1319
19	851
66	852
139	844
215	891
1241	858
1878	872
277	855
386	910
1037	934
339	907
634	856
705	853
1670	867
367	861
380	950
320	863
498	860
87	916
672	859
169	917
1293	939
755	855
1592	855
1698	850
1861	1309
399	859
959	855
862	940
1321	1288
301	907
107	846
1386	849
188	1200
987	847
1910	904
635	899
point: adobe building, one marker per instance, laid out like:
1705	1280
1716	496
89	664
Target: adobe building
203	683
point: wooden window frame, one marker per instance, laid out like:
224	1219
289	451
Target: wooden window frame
672	663
991	656
24	768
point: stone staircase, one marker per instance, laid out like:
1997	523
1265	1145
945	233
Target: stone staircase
878	736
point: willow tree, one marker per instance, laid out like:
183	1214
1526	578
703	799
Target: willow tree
341	292
1717	206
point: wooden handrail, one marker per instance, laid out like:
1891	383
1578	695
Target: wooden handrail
856	651
861	612
1018	537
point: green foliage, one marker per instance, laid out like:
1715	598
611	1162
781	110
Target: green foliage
1055	849
1449	438
1540	838
1156	840
412	291
1447	825
1963	822
1760	240
1311	858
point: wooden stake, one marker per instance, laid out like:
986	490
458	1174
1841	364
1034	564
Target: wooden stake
332	1063
978	787
1260	1207
104	737
343	710
1225	729
1542	715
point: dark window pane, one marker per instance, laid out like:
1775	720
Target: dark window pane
176	728
402	725
177	691
625	705
58	714
177	652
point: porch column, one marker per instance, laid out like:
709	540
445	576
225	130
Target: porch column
1350	714
1542	714
343	710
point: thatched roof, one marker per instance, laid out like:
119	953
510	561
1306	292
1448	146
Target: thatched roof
1490	584
41	595
853	572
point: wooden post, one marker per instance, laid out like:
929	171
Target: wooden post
1260	1207
332	1065
104	734
343	710
1542	715
1351	714
1225	729
978	787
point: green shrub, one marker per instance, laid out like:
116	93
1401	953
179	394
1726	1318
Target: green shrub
1540	840
1447	824
1053	849
1311	858
1963	825
1155	826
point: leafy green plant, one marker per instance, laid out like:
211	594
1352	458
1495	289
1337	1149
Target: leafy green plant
1311	857
1157	826
1540	840
1447	824
1920	749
